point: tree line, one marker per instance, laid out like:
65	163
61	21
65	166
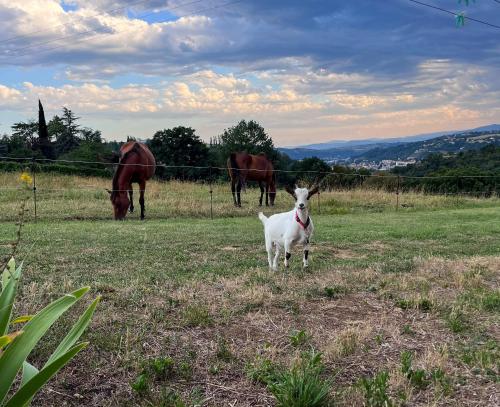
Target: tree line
187	157
180	149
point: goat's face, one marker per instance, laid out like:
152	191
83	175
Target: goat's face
302	196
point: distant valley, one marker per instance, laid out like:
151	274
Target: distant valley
402	148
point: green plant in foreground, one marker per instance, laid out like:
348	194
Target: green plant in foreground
299	338
262	371
302	385
16	346
418	378
375	390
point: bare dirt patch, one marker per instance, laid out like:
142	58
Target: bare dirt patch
238	320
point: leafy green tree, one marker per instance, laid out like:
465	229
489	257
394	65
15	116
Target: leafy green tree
23	139
25	131
55	128
67	132
179	146
310	170
246	136
90	135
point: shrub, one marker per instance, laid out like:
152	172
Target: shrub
15	347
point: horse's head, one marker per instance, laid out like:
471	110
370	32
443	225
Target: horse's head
120	202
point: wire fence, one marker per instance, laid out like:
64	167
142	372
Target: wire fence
213	195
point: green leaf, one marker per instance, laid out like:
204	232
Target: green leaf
7	297
26	392
75	332
9	270
29	371
6	339
17	352
21	319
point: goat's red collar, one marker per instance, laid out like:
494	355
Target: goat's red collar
304	225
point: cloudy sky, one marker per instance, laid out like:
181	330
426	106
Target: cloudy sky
307	70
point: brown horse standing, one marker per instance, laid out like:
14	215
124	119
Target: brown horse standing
137	164
245	167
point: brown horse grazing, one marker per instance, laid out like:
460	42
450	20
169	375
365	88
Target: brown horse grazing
137	164
245	167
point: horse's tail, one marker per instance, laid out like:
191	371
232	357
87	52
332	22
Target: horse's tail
234	165
263	218
234	170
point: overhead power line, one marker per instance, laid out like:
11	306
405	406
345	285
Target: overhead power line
455	14
11	52
36	44
105	12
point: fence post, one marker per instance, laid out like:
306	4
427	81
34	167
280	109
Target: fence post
33	172
397	193
319	203
211	194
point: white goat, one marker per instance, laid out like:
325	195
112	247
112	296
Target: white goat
289	228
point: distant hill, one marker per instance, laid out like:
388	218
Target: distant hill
345	152
348	149
472	171
452	143
392	140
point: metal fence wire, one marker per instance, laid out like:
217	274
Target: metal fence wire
36	165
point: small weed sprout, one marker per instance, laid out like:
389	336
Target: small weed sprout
299	338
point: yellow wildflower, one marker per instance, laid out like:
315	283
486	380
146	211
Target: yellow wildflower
26	179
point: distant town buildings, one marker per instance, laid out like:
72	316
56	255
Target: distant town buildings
384	165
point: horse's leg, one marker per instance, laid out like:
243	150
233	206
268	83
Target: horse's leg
131	195
233	191
267	193
238	192
261	192
142	186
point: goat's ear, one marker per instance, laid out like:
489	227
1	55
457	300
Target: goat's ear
313	191
290	191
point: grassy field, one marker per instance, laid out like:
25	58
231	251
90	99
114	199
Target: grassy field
70	197
190	314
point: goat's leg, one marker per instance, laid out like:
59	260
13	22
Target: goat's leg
131	195
233	191
288	251
276	257
267	194
306	254
261	192
142	186
238	192
269	249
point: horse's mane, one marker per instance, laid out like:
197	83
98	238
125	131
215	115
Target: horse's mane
120	168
